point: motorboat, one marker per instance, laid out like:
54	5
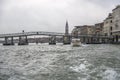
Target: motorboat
76	42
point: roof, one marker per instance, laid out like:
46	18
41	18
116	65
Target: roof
118	6
84	26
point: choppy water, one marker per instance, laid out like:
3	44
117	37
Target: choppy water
58	62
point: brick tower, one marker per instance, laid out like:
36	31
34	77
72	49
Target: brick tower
66	28
66	37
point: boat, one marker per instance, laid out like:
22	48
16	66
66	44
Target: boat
76	42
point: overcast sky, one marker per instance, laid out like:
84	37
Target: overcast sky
51	15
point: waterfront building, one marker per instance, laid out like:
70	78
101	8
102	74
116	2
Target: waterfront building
98	29
116	21
83	30
107	27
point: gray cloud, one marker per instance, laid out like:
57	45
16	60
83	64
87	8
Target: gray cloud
50	15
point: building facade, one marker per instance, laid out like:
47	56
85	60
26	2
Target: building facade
107	27
83	30
116	21
98	30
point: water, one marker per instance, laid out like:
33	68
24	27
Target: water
58	62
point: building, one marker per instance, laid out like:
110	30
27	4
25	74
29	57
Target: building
112	23
98	29
83	30
107	27
116	21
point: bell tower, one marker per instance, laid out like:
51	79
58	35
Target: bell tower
66	37
66	28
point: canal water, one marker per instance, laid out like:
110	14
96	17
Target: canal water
60	62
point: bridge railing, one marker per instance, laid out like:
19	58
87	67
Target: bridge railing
30	33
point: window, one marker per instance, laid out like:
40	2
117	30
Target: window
111	21
111	28
111	33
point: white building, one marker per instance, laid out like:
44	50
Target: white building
107	28
116	21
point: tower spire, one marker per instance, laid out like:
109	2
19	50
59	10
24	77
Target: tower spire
66	28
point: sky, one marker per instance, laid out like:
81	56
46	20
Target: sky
51	15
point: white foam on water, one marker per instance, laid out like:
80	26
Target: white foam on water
79	78
81	68
110	74
85	45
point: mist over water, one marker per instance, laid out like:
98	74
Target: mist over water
60	62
